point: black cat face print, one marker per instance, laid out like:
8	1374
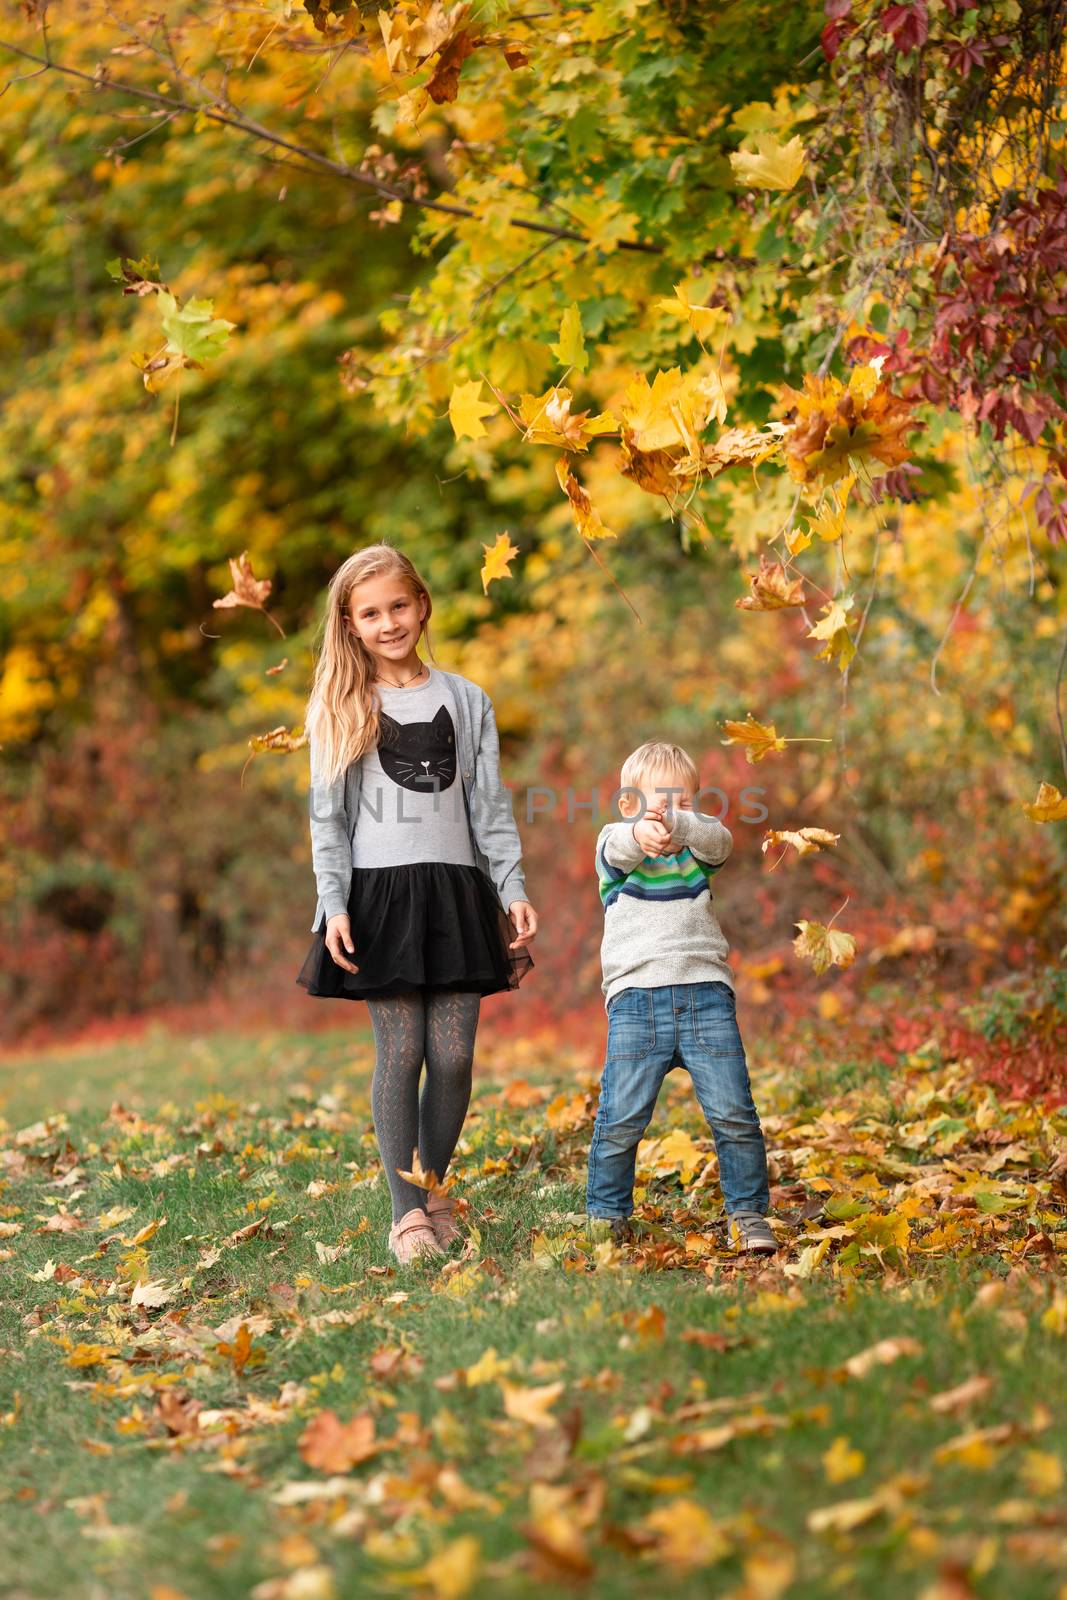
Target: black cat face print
420	756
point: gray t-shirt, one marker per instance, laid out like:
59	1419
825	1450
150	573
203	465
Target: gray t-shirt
411	805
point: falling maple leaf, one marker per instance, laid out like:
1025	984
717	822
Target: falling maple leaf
586	516
280	739
772	165
759	739
248	590
772	588
498	559
550	420
823	947
702	319
466	408
804	841
1049	806
736	445
833	628
422	1180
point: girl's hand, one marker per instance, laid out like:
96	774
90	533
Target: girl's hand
338	933
525	921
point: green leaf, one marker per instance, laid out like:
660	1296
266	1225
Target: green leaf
193	331
571	351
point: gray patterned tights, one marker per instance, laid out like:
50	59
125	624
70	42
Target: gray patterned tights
408	1028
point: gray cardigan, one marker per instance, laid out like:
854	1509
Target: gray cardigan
333	809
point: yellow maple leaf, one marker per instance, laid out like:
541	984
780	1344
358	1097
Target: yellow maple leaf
451	1572
841	1461
498	559
487	1369
531	1405
675	1152
687	1535
1042	1472
829	524
833	627
571	351
1050	805
586	516
422	1180
702	319
673	410
555	1531
550	420
772	165
823	947
466	409
759	739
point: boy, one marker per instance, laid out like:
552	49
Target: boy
669	994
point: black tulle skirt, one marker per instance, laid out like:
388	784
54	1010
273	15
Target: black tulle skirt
425	925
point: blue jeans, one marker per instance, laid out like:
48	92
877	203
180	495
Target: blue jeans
691	1025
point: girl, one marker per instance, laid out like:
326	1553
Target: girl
422	904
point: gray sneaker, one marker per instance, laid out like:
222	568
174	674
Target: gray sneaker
750	1230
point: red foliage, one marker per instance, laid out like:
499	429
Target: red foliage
909	25
1034	1068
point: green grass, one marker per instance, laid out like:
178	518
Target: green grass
629	1484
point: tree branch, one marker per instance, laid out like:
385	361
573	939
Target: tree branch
314	158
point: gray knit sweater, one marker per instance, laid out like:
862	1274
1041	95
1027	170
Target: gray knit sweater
659	923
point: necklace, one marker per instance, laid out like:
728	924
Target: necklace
406	681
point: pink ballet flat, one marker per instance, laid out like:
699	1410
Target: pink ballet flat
442	1208
413	1236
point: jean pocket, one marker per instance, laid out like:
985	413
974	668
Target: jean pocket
631	1024
715	1019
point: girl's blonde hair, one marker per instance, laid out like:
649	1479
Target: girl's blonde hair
657	756
343	709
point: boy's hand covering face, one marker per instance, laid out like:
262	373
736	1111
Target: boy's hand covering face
652	831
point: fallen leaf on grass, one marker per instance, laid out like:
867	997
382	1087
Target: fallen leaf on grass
687	1535
450	1573
845	1515
330	1445
151	1295
241	1351
978	1448
964	1394
531	1405
880	1354
841	1461
554	1532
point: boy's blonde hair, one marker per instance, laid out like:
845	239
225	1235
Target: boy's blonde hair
656	756
343	708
